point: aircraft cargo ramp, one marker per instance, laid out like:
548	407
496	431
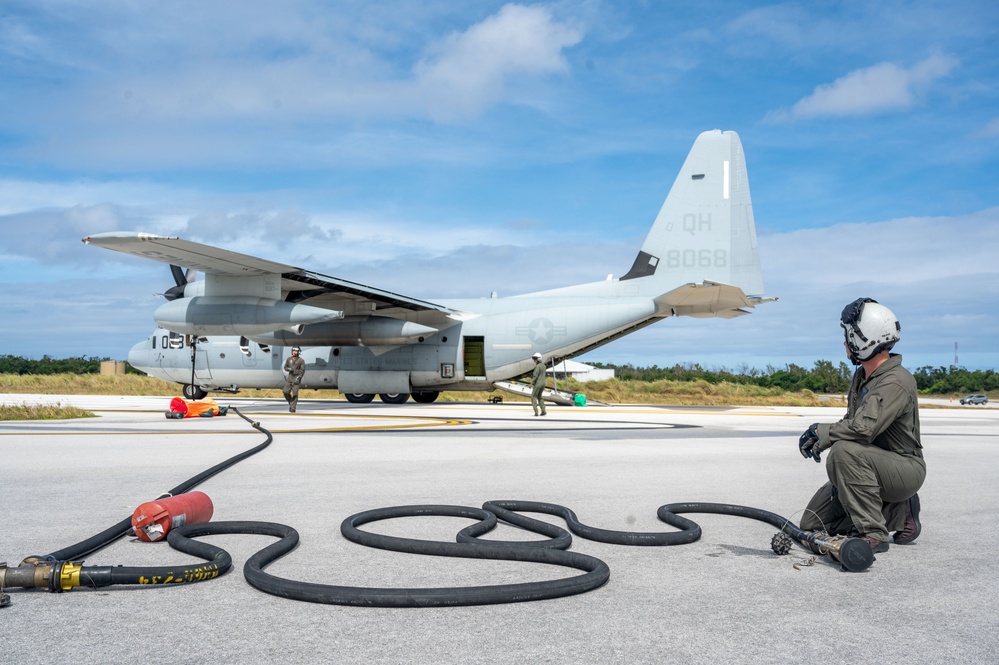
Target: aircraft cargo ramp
554	396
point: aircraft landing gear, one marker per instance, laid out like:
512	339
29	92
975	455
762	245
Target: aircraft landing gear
426	396
194	392
421	397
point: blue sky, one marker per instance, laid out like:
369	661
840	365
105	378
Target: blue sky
444	149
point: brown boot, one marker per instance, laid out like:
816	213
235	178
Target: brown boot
877	546
912	527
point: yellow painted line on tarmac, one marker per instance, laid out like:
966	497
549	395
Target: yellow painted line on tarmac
695	411
422	421
445	423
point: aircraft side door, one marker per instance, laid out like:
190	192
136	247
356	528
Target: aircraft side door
201	370
474	356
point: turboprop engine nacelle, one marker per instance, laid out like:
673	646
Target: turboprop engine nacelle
237	315
369	331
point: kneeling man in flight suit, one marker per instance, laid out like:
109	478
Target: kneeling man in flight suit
875	458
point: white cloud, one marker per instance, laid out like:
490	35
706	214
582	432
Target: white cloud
990	129
52	236
472	69
326	70
280	86
882	88
900	251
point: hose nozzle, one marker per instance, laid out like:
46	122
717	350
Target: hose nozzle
854	554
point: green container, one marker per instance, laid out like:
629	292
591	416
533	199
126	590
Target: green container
579	399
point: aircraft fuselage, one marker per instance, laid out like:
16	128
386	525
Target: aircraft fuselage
495	344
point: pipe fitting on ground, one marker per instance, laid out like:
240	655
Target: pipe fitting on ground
38	573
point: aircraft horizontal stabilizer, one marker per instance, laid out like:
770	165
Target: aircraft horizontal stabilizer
707	299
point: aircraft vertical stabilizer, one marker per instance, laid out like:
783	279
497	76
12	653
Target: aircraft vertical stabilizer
705	231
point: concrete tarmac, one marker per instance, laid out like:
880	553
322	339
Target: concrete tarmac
723	598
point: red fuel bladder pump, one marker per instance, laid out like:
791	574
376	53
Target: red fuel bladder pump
153	520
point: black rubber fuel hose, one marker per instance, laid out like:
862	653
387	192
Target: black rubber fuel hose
124	527
552	550
596	572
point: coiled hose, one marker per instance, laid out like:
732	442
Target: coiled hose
63	574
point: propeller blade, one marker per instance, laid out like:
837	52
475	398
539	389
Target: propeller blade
181	278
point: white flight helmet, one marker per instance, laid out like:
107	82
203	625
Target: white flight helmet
537	356
869	329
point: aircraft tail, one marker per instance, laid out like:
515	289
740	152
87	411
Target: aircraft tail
705	232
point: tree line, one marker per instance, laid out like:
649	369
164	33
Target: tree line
824	377
48	365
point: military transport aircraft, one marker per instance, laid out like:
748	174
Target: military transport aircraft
234	328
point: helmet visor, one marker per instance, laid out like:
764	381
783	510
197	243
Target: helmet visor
851	317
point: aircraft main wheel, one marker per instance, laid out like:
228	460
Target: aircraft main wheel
194	392
393	398
426	396
359	398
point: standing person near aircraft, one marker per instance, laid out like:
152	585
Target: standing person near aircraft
875	463
295	367
538	385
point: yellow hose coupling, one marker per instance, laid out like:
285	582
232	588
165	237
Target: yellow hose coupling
69	576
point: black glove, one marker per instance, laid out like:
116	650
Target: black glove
806	444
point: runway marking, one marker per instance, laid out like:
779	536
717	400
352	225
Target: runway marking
651	408
422	421
414	421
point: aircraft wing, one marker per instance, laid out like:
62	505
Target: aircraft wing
301	285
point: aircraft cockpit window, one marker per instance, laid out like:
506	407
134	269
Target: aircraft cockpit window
244	346
176	341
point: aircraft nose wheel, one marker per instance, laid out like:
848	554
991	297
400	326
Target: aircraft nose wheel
194	392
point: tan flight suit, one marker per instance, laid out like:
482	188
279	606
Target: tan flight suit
296	370
876	460
538	387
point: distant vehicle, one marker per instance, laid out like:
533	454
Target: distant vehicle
975	399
